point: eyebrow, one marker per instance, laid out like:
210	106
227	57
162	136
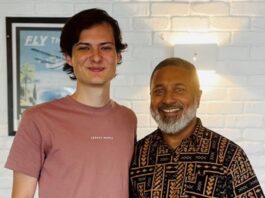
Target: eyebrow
103	43
157	86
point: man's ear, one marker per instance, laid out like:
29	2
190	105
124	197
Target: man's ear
68	59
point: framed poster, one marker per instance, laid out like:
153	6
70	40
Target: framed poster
34	65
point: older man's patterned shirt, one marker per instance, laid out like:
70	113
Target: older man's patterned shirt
204	165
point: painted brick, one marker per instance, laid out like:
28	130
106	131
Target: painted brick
154	23
233	53
245	67
230	23
3	156
152	0
225	107
84	5
254	107
142	132
248	8
122	80
208	79
190	23
140	38
7	183
55	9
163	38
260	172
142	80
233	134
149	52
5	142
143	120
258	23
257	80
61	1
169	9
134	67
261	176
258	160
211	121
130	9
230	80
252	147
14	9
210	8
131	93
257	52
141	107
192	37
125	24
3	109
5	193
4	129
214	94
202	108
4	172
243	121
248	93
2	33
248	38
153	122
254	135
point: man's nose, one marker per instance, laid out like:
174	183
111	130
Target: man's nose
169	97
96	55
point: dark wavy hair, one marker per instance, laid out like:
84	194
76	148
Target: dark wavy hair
84	20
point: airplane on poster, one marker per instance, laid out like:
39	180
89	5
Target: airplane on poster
51	61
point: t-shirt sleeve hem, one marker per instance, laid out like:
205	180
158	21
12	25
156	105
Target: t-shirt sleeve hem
21	170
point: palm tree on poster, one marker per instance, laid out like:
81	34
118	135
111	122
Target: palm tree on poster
27	75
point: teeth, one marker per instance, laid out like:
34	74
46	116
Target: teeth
171	110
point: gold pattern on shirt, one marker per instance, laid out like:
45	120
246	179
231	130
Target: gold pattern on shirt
204	165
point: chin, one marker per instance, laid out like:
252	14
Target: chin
173	125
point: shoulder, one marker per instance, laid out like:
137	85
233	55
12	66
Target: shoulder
123	108
39	109
227	150
220	139
224	141
125	111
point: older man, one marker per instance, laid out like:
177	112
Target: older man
182	158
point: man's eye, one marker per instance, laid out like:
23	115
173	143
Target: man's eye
83	47
107	48
179	90
158	92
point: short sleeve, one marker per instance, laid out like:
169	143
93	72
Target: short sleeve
26	154
242	180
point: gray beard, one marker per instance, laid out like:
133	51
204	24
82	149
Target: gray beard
174	125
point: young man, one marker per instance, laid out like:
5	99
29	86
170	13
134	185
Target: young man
182	158
79	146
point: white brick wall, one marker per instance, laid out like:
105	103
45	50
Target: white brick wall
233	102
210	8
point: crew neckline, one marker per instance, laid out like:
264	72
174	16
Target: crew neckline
106	107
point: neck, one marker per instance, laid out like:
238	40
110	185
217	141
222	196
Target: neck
175	139
95	96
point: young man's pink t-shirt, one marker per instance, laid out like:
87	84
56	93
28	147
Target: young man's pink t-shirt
75	150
